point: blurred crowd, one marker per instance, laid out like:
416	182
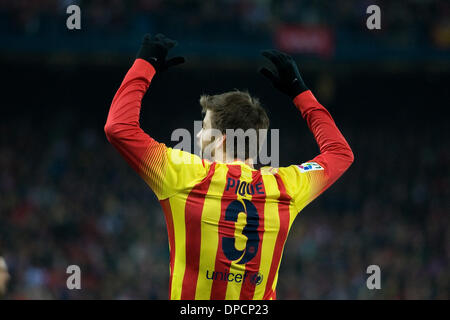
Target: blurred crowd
403	22
67	197
391	210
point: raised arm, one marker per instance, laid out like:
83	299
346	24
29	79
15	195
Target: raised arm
153	161
335	156
122	127
307	181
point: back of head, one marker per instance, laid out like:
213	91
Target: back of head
236	110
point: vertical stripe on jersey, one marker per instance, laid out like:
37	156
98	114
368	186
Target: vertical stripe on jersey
178	205
234	287
222	264
209	232
284	216
193	220
272	224
169	222
252	267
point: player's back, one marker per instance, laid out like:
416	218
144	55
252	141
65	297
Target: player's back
227	233
227	223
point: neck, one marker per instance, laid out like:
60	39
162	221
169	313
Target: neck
222	157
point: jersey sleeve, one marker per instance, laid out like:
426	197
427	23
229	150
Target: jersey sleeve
166	170
306	181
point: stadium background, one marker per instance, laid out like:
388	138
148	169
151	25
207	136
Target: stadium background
67	197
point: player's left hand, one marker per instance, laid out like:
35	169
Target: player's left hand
287	77
154	49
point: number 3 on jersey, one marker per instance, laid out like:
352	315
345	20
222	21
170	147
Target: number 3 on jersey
250	231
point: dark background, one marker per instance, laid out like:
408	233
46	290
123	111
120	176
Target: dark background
67	197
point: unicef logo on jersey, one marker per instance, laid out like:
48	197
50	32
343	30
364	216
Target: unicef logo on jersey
256	279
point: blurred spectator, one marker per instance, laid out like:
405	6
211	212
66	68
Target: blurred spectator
4	276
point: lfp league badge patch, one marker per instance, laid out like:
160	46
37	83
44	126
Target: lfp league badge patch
309	166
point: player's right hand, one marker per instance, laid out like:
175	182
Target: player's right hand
287	77
154	49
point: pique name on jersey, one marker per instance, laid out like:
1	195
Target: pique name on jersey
244	188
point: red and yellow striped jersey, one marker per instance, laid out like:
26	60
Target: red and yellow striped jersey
227	222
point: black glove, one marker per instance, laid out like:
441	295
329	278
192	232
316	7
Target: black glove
154	50
287	78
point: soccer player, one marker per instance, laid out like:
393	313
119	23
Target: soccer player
227	222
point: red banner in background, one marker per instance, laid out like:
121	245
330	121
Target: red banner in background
309	40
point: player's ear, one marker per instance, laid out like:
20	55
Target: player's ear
221	141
